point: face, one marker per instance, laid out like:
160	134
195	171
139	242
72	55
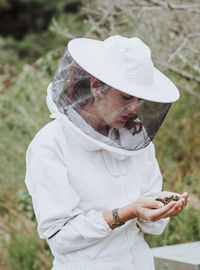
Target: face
115	108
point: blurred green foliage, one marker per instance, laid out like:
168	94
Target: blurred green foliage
28	27
23	253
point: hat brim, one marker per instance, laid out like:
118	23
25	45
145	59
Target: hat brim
88	53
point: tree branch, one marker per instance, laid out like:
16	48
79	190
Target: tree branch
172	56
180	72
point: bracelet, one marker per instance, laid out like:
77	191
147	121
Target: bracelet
116	217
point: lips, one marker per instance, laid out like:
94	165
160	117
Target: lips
129	118
125	118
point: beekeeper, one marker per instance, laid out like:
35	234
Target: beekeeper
92	171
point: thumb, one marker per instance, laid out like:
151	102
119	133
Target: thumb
152	203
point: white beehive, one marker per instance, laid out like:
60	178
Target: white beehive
178	257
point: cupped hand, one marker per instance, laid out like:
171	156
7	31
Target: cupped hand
178	205
154	210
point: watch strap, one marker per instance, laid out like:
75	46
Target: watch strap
116	217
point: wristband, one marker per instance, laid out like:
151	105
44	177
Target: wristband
116	217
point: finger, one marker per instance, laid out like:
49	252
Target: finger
173	211
185	202
185	193
155	204
182	202
185	199
177	209
185	196
153	214
152	203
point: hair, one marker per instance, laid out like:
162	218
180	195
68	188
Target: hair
76	90
134	125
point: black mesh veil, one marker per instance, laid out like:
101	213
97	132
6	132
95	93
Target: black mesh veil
103	112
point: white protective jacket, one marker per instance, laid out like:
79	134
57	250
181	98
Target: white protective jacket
74	178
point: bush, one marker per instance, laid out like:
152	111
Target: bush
23	253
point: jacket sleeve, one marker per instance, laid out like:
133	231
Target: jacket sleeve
152	186
56	203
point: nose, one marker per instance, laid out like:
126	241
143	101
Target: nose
133	106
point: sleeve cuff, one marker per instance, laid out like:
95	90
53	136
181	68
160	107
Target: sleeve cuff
103	223
150	227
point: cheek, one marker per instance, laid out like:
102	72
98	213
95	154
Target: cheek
112	110
113	105
112	116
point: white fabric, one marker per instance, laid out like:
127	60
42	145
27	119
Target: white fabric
125	64
73	179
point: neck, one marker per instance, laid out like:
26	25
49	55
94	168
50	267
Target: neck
90	115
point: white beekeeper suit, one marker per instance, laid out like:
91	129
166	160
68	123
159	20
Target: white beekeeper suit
74	174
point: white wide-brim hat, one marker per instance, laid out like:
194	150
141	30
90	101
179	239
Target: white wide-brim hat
126	65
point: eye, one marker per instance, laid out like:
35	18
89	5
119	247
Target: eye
126	97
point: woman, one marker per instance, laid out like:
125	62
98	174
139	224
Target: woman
92	172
